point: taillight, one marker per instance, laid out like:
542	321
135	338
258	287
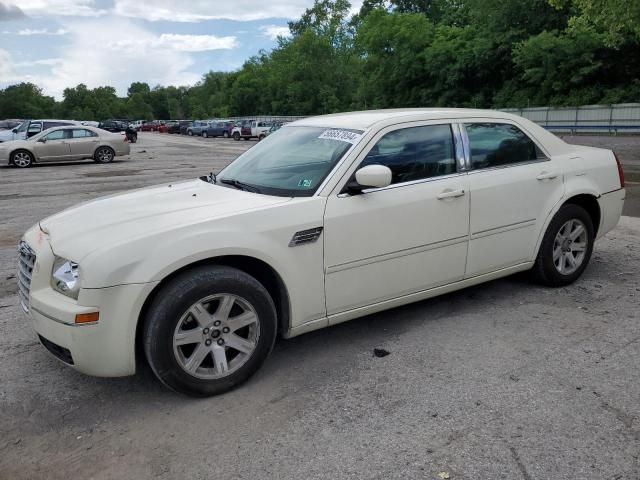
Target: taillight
620	171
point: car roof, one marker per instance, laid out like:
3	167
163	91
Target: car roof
368	118
73	127
52	120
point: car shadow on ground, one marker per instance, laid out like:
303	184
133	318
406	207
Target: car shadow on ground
64	164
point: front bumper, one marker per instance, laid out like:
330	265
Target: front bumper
105	348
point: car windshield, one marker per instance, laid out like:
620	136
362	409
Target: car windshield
23	127
291	162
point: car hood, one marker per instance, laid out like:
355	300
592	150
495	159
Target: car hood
76	232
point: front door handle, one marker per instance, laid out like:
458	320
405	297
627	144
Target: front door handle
448	193
547	175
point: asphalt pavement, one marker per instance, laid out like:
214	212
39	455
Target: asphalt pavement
506	380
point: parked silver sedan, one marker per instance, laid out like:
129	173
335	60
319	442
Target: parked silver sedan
62	144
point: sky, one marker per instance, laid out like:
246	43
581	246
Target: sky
61	43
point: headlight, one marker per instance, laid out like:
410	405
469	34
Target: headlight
65	277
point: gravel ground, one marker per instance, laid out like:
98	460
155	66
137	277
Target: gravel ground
503	380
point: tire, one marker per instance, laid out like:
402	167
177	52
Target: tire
225	134
260	138
183	358
205	134
566	247
22	159
104	155
190	133
236	136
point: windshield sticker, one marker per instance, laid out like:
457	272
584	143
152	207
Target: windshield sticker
304	183
341	135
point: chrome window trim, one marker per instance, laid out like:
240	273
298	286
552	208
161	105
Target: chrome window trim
509	165
460	150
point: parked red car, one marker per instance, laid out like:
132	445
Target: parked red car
150	127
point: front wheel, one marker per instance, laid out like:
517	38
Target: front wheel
205	134
22	159
208	330
190	133
566	247
225	134
236	136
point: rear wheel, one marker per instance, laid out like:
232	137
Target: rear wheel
225	134
566	247
208	330
104	155
22	159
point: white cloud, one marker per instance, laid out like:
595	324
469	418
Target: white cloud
200	10
9	74
177	42
78	8
38	63
94	58
275	31
43	31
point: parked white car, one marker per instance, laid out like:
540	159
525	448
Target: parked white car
328	219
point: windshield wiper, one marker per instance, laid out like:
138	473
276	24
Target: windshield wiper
239	185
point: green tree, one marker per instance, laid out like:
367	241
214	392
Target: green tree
618	20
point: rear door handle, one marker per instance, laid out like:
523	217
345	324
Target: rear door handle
448	193
547	175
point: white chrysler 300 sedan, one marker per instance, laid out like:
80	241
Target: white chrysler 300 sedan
330	218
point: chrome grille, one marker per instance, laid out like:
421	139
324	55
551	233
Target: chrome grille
25	269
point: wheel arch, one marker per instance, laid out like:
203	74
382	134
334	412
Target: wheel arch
586	200
259	269
103	145
590	203
22	149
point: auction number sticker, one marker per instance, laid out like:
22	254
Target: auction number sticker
341	135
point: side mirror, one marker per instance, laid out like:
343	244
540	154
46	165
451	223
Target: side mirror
371	176
43	140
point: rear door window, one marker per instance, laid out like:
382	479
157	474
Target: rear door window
500	144
83	133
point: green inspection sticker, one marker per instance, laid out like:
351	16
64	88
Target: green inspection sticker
305	183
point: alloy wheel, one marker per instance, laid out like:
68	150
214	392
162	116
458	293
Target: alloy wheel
570	246
216	336
22	159
105	155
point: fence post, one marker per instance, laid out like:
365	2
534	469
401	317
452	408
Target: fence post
546	117
611	119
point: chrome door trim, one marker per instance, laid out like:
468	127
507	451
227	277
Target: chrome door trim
404	184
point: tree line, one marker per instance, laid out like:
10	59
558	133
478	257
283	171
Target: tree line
396	53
